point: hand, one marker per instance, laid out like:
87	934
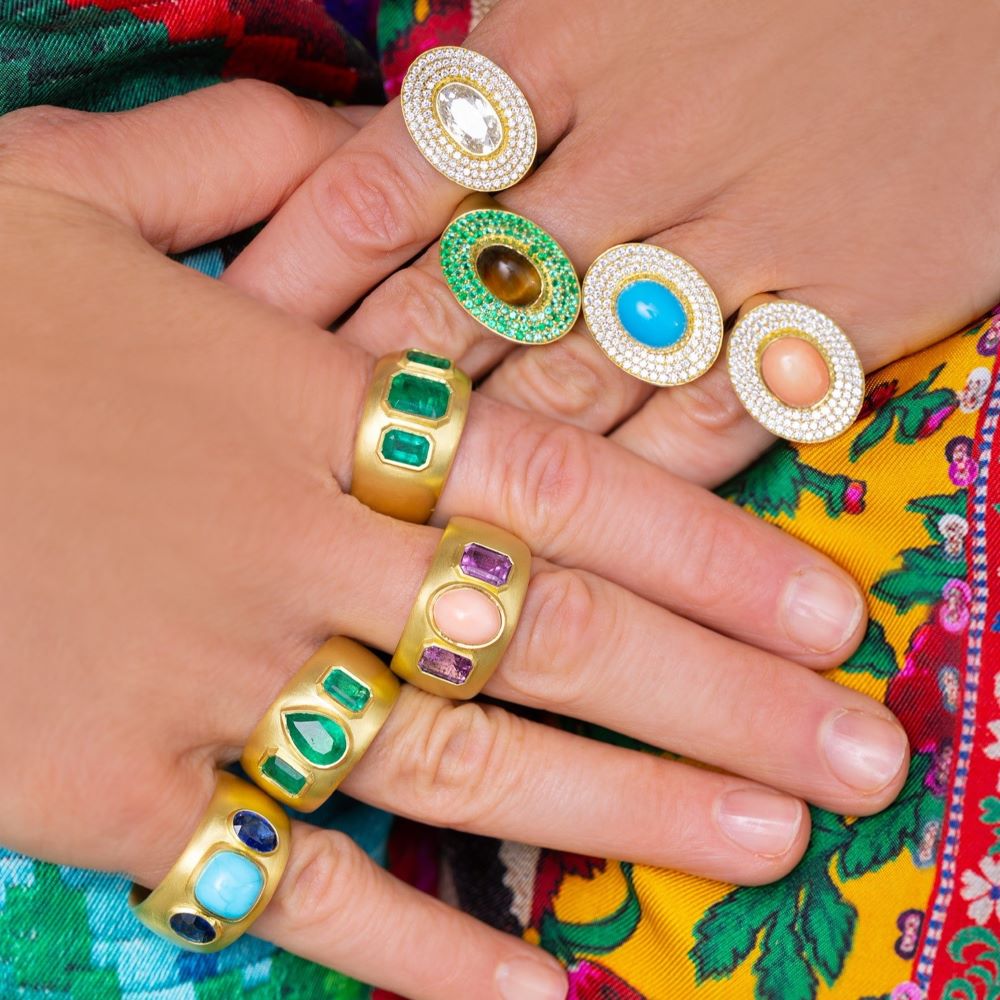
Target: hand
845	155
176	541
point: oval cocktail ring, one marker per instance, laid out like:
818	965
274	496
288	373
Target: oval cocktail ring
466	611
321	724
468	118
795	370
411	425
652	313
509	274
226	875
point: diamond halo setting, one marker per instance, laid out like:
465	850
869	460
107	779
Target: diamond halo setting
836	411
469	119
628	263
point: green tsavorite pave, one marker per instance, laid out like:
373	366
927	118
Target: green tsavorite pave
347	691
283	775
428	360
557	308
419	396
405	448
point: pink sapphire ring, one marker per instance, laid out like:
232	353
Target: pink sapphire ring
467	610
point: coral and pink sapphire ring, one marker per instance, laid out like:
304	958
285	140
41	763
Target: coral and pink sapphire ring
467	610
469	119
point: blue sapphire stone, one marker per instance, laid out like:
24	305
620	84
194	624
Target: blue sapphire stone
255	831
651	313
193	928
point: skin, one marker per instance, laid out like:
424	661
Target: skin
844	154
177	540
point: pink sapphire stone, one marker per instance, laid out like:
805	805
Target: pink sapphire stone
446	665
485	564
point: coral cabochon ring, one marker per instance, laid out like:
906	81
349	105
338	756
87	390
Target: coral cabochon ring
795	370
509	274
469	119
652	313
226	875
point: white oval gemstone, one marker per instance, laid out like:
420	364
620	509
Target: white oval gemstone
469	119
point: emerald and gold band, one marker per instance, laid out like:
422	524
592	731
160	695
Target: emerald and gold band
226	875
466	611
320	724
412	422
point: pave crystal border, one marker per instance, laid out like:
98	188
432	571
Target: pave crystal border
838	409
682	362
544	321
453	64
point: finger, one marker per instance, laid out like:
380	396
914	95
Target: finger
582	501
335	906
478	768
182	171
367	210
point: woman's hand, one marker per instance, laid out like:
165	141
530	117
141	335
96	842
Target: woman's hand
843	154
176	540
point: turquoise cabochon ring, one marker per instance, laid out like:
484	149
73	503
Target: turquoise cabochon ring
652	313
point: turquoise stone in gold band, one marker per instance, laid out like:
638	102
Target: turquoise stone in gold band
544	320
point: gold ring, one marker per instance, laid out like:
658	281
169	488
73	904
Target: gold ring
226	875
467	610
320	725
412	422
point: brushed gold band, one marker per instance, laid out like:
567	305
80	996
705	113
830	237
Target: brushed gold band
320	725
226	875
476	583
410	428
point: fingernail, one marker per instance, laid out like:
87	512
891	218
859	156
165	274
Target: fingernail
864	751
821	610
760	821
531	979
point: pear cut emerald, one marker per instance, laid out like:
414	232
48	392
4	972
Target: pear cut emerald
319	739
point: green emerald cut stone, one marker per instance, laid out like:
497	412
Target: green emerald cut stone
419	396
321	740
428	360
283	775
405	448
346	690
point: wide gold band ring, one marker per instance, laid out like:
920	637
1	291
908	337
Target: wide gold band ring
410	428
466	611
320	725
226	875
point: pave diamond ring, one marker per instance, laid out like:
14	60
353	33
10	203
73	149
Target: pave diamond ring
795	370
469	119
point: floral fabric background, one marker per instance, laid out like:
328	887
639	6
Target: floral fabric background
904	905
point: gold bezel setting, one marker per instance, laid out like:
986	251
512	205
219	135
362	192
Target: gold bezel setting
515	151
767	322
682	362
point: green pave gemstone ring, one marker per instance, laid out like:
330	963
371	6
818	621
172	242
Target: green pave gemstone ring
412	423
320	725
509	274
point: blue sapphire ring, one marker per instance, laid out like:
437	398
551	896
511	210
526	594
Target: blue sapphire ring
652	313
320	725
466	611
226	875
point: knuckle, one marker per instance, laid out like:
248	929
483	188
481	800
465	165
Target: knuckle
559	629
550	481
363	199
576	387
324	872
454	764
711	404
423	307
